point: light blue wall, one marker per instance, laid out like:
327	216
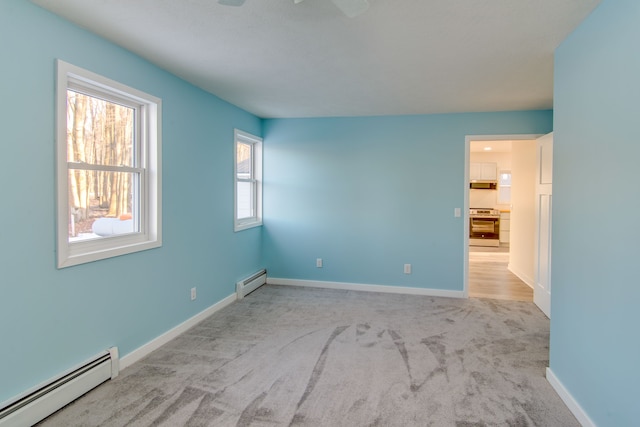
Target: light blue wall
368	195
52	319
595	317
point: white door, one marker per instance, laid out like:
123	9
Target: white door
544	199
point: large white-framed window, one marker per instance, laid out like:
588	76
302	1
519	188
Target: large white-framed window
108	167
247	182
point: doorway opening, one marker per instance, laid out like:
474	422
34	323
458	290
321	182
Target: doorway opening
499	229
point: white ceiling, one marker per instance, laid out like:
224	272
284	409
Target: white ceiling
275	58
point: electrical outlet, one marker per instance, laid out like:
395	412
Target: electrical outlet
407	269
319	262
193	294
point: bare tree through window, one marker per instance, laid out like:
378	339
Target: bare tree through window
100	142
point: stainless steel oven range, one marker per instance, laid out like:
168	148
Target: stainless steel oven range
484	227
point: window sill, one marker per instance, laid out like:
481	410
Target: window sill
246	225
70	255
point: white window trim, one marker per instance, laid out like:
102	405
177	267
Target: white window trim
150	234
247	138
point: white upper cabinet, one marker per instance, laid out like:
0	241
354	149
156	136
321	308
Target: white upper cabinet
483	171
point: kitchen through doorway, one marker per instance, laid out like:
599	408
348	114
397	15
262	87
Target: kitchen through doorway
501	177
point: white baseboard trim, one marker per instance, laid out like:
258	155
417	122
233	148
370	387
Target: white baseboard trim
159	341
366	288
525	278
568	399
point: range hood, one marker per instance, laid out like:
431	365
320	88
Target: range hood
483	185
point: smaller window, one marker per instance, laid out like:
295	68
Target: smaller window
247	180
504	188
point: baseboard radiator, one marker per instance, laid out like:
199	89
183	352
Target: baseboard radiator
251	283
45	399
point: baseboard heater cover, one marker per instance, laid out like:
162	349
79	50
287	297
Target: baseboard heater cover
42	401
251	283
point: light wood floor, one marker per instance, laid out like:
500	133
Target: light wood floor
490	278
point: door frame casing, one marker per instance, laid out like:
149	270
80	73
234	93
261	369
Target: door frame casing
465	216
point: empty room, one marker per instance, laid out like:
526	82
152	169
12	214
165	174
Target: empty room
249	212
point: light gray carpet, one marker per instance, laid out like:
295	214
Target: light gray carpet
287	356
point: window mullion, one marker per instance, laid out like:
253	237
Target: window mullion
107	168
